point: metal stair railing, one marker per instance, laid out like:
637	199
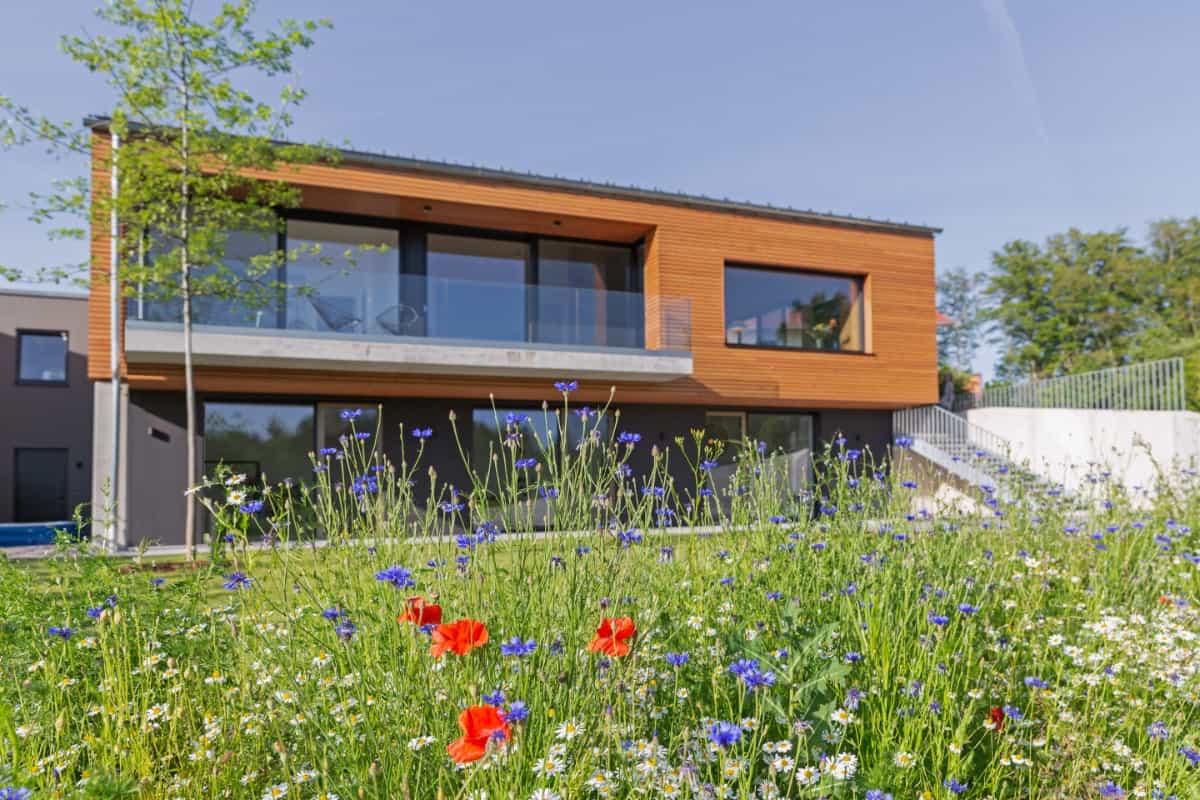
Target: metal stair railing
949	441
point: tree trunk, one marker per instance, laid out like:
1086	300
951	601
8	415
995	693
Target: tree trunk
189	529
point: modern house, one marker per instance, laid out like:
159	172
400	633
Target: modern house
45	405
787	326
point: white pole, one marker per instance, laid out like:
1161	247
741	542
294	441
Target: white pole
114	350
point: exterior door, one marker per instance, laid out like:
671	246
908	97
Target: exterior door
41	484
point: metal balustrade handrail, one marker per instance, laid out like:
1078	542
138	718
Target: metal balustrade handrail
948	431
1149	386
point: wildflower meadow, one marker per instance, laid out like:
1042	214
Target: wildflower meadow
566	627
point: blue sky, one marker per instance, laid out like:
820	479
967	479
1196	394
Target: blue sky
994	120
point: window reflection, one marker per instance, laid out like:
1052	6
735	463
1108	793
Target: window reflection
342	278
789	309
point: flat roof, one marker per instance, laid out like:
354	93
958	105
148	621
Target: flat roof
552	182
24	290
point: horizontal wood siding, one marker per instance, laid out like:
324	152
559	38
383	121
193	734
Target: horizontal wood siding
686	251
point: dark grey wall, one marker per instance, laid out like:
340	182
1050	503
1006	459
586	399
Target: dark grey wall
862	429
45	416
157	455
156	467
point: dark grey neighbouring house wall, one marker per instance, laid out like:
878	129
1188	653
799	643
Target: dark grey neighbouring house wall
51	416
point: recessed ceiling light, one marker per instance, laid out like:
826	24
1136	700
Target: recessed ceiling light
428	209
557	222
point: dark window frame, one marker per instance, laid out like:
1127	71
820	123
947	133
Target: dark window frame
861	277
413	236
66	338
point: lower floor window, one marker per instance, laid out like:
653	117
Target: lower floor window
261	440
778	432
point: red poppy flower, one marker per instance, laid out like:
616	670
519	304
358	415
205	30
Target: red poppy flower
421	613
998	717
480	725
459	637
612	637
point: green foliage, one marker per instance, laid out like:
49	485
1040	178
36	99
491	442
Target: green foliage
1085	301
189	688
959	297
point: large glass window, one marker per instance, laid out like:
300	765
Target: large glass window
585	296
787	440
247	277
333	424
531	430
791	309
476	287
42	357
342	278
260	439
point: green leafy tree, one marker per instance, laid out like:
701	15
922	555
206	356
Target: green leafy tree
199	157
959	294
1067	306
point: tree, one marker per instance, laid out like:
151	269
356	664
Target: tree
199	158
959	297
1069	306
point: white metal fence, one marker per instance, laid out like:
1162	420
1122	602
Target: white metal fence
1150	386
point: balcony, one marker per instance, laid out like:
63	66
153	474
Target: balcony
418	324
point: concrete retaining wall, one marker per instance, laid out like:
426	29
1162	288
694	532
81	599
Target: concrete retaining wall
1067	445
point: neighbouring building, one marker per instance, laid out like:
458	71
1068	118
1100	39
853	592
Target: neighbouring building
787	326
45	405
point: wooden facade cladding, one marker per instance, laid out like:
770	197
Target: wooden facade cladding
686	249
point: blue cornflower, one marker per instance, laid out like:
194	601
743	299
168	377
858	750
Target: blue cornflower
904	441
345	629
515	418
397	576
582	550
517	712
422	433
157	581
516	648
62	632
954	786
743	665
361	435
852	657
967	608
909	484
708	465
252	507
566	386
586	412
333	614
626	437
1158	730
758	680
1191	755
630	537
548	492
726	581
774	595
238	580
496	698
778	519
350	413
725	734
818	546
15	793
1111	790
666	554
94	613
1012	712
853	698
677	659
656	491
328	451
1034	682
877	794
525	463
